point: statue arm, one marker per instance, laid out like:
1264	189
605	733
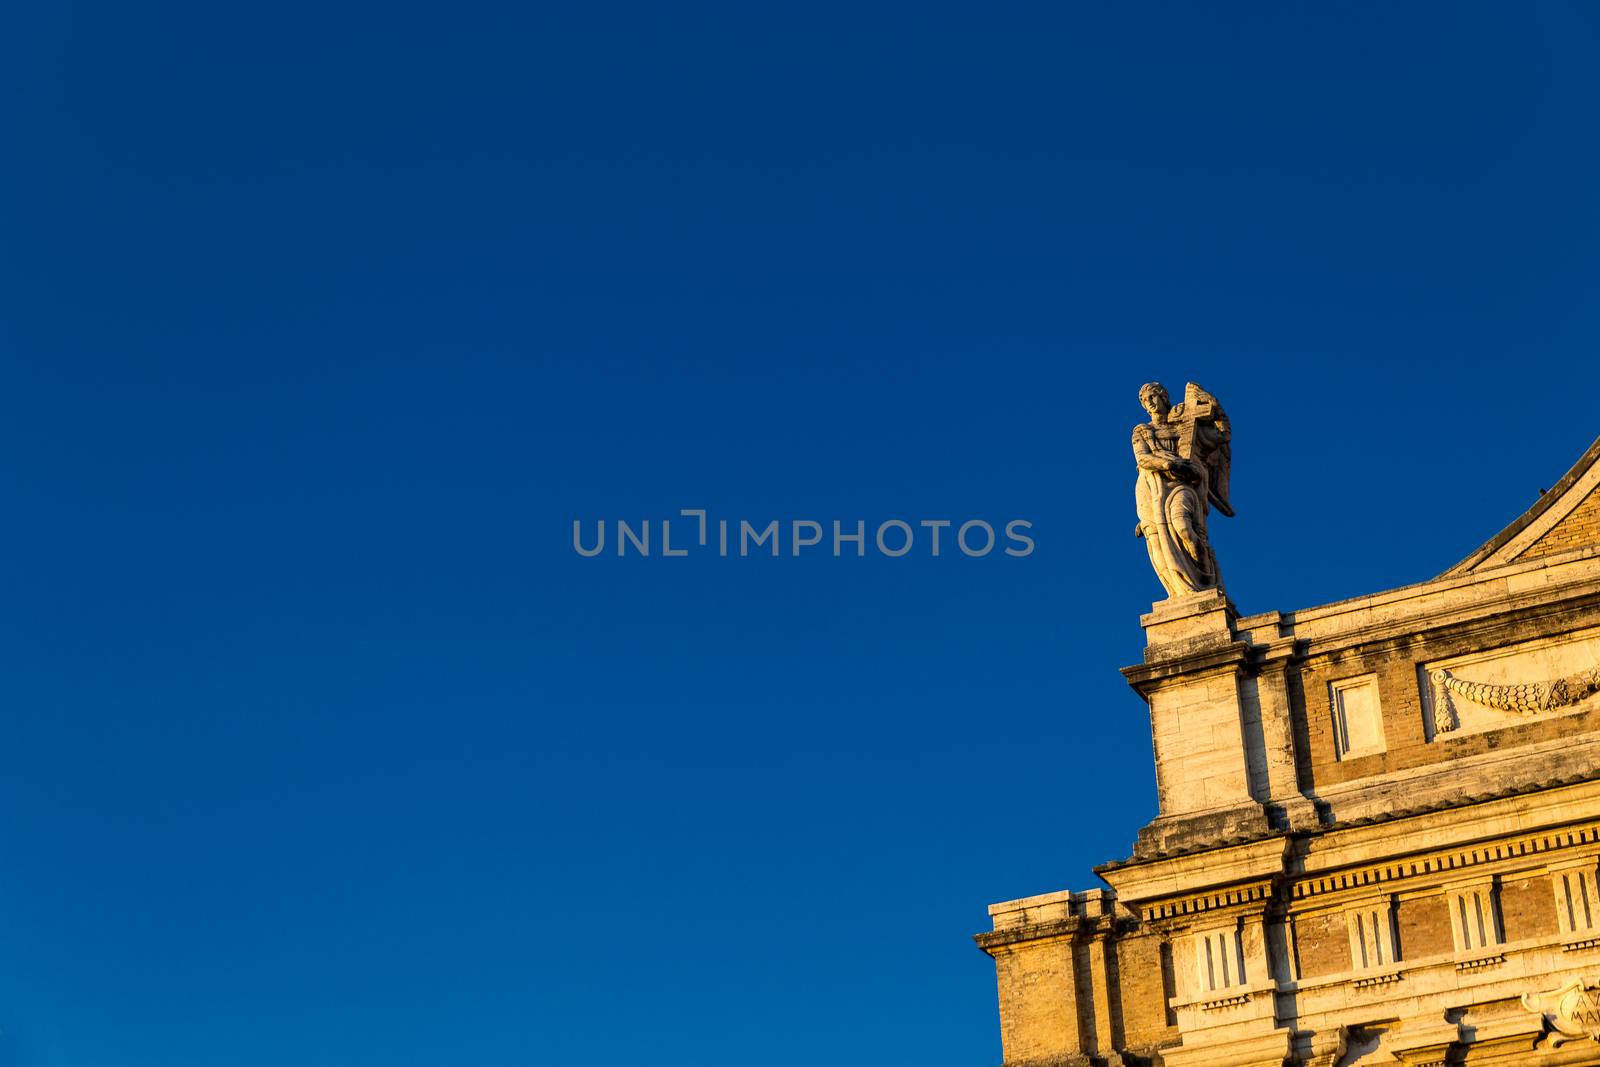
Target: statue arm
1149	457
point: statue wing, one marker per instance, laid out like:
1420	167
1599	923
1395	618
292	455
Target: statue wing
1219	464
1219	455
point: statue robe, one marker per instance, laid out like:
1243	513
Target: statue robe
1172	511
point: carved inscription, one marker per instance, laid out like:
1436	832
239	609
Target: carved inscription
1572	1012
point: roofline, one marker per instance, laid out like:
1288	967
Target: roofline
1540	506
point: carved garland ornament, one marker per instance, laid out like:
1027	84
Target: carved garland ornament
1530	698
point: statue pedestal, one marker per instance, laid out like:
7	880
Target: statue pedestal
1220	726
1181	621
1210	770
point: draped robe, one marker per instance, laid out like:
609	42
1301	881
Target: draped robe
1171	499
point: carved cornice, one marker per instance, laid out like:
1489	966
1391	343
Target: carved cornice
1145	677
1231	1001
1481	963
1490	621
1236	896
1385	875
1370	981
1451	861
1074	928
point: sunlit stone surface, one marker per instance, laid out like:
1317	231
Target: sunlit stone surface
1379	828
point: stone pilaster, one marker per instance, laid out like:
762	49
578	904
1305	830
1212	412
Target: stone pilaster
1057	987
1211	767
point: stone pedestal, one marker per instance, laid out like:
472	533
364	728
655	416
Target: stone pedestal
1187	623
1211	769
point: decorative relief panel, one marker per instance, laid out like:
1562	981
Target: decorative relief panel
1571	1013
1371	929
1491	690
1219	959
1577	903
1475	918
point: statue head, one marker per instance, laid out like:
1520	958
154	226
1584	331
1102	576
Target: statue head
1153	398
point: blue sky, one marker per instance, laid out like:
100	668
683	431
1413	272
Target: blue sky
322	323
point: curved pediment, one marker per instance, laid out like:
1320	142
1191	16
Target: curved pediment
1565	517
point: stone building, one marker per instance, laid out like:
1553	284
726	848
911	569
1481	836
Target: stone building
1378	838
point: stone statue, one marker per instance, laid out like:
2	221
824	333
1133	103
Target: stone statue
1183	456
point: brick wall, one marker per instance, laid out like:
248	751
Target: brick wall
1322	943
1528	907
1147	983
1424	928
1578	530
1400	700
1038	1005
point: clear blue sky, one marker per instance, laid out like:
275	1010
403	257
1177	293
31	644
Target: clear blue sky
321	323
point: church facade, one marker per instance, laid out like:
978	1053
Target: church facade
1378	838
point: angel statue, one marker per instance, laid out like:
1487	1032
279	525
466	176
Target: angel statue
1183	456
